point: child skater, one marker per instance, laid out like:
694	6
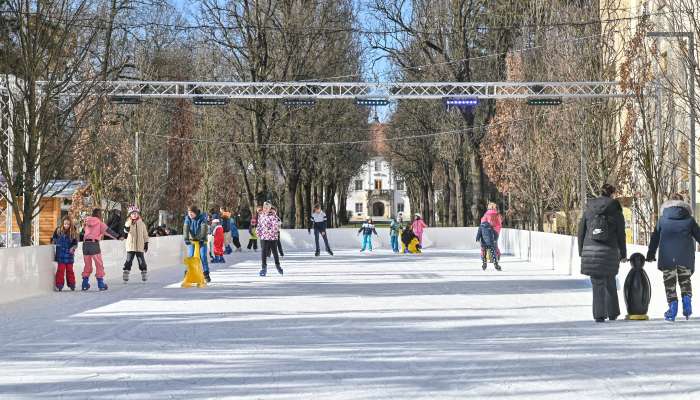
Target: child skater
235	235
136	243
66	240
253	242
410	241
95	230
367	229
219	240
418	226
487	237
494	218
394	233
268	232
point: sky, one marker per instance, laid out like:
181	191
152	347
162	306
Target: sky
375	69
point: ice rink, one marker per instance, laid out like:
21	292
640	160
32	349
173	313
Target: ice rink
352	326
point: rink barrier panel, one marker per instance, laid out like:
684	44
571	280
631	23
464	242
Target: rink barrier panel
29	271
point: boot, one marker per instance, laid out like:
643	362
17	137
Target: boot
206	276
58	289
317	254
125	275
86	283
229	250
498	267
263	272
101	284
687	306
670	315
280	270
72	288
144	276
484	265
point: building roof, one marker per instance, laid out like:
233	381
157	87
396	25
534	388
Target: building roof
377	133
61	188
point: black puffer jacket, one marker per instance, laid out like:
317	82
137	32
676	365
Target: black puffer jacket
602	258
675	237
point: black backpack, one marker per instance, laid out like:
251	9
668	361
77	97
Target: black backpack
600	228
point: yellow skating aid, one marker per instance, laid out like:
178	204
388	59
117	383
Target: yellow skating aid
637	317
194	275
413	246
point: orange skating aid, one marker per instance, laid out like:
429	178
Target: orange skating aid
194	274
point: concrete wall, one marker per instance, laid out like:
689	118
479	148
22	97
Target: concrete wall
29	271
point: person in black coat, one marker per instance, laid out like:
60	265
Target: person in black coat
602	245
116	223
675	236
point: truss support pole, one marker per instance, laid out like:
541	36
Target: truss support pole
6	117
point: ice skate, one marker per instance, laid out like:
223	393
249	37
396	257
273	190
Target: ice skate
280	270
687	306
101	284
206	276
670	315
144	276
86	283
125	275
263	272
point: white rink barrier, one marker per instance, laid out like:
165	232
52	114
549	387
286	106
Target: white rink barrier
29	271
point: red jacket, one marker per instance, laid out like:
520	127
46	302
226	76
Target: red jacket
219	240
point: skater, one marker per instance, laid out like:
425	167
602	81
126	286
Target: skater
226	224
496	221
136	243
66	240
367	229
253	241
95	230
410	241
318	221
195	230
418	226
602	246
488	238
235	235
675	236
394	233
268	232
218	241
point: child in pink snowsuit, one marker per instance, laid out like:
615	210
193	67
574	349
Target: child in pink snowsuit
418	226
494	218
95	230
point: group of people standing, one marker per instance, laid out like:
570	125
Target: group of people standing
66	237
602	246
410	234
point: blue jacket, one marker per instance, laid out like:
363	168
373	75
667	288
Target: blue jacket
486	235
675	237
196	229
64	243
234	228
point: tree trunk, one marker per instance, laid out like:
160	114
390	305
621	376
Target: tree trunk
342	205
290	209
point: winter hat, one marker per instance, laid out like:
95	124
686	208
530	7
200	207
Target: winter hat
215	221
133	209
418	215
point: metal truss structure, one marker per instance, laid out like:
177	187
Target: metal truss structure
353	90
391	91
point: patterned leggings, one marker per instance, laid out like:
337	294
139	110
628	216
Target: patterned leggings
492	250
681	275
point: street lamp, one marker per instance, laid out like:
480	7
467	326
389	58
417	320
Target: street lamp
691	96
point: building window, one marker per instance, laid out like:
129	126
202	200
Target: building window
358	208
377	184
377	165
400	185
399	207
358	184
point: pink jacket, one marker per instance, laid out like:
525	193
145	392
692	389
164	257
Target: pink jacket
493	218
94	228
418	226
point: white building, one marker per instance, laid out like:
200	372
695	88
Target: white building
377	191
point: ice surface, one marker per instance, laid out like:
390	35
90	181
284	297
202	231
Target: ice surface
353	326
